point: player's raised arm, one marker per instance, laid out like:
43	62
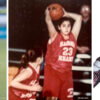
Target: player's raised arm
50	26
77	24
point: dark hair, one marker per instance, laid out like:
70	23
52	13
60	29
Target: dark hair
61	20
30	56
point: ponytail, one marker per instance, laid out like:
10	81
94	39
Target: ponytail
24	61
30	56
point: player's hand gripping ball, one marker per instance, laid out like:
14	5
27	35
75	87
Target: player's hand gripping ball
56	11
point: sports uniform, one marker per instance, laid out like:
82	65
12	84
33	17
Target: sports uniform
18	94
58	68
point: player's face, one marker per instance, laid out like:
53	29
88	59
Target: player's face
65	27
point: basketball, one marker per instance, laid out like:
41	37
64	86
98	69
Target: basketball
56	11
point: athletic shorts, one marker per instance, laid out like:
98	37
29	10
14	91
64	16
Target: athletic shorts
12	96
57	84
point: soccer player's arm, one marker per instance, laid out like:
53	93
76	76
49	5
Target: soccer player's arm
50	26
16	82
77	24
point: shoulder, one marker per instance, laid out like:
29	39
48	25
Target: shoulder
29	70
57	37
72	36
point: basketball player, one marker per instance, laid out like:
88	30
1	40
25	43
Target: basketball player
61	49
26	83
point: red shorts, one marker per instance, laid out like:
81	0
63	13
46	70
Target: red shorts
12	96
57	84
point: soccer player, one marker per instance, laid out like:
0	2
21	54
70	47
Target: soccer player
61	48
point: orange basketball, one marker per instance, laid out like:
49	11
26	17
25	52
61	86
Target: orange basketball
56	11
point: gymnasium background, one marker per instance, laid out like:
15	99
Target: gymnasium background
3	49
27	29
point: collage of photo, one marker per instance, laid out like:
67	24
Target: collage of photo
48	50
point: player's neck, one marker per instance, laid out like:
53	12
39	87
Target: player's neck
66	37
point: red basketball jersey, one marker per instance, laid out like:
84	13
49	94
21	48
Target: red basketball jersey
61	52
24	94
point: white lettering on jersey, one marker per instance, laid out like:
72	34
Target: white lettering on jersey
66	54
70	93
64	58
67	43
27	95
67	51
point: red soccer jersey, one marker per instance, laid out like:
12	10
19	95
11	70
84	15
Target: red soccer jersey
61	52
24	94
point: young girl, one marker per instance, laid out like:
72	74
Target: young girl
26	83
61	49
